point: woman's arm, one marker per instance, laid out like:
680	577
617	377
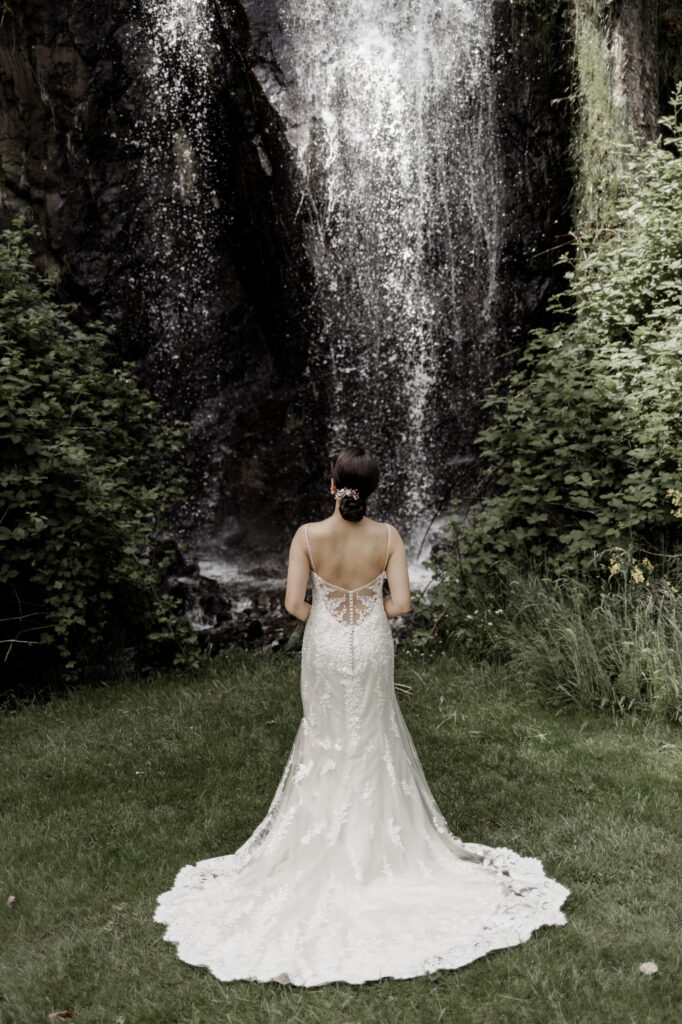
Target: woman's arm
297	578
399	602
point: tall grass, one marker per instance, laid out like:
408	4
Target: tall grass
613	650
614	646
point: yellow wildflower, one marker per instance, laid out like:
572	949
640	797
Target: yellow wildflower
614	567
676	501
647	565
637	574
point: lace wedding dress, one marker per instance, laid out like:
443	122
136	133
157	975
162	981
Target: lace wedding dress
353	874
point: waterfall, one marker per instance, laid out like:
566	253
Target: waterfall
389	107
177	168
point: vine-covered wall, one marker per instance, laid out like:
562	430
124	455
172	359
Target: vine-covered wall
626	57
616	64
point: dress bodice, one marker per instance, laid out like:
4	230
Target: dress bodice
349	607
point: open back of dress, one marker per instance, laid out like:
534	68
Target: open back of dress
353	874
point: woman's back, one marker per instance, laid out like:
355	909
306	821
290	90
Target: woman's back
348	551
348	555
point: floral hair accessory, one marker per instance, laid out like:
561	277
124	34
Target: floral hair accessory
346	492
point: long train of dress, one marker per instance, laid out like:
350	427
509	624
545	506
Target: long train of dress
353	874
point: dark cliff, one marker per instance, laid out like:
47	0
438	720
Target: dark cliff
179	219
74	145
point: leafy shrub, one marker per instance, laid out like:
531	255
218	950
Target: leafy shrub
569	568
584	450
88	468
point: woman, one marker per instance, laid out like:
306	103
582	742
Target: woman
353	875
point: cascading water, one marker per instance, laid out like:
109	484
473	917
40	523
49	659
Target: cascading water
164	186
177	167
389	106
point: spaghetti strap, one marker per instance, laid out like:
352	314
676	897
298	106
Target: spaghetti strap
388	542
310	554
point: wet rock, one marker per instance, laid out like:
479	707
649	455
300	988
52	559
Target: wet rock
632	49
235	610
78	135
120	177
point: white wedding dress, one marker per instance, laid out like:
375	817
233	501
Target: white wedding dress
353	874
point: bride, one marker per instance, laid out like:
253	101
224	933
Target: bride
353	874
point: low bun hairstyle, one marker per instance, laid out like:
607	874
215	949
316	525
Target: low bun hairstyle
354	467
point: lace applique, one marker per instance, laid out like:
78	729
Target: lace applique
408	788
388	759
349	607
394	723
339	820
313	831
394	832
302	770
429	875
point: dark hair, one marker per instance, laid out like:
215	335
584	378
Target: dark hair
356	468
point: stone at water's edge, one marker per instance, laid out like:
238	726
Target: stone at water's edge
229	605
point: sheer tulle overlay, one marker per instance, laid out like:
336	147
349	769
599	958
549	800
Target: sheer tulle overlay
353	874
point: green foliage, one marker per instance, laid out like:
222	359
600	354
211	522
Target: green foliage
88	469
584	450
585	443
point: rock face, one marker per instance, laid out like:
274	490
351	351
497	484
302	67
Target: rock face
633	49
103	164
169	202
534	133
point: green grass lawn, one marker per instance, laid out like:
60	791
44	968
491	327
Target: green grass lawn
108	792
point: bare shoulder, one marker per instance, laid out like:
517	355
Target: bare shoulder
313	529
379	526
395	540
317	525
299	535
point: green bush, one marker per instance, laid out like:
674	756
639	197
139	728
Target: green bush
88	469
584	448
569	567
